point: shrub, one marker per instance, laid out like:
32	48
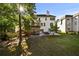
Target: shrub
4	37
12	35
7	36
72	33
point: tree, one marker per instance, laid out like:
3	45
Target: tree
27	18
7	18
54	27
30	16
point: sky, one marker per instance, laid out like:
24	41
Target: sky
57	9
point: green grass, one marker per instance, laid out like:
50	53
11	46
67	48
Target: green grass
63	45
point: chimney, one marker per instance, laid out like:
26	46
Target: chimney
47	12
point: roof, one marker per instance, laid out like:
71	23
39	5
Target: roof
64	17
46	15
68	15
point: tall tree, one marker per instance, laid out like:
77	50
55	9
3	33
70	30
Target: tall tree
7	18
30	16
26	21
54	27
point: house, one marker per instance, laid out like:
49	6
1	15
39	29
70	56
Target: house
76	22
65	24
42	23
45	21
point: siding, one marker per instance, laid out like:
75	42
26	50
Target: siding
47	23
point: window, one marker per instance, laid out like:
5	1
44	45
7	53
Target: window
44	24
75	23
46	18
41	30
39	19
41	24
51	18
68	24
67	19
68	29
61	22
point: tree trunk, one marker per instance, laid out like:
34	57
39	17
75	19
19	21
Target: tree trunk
19	52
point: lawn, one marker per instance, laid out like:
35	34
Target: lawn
63	45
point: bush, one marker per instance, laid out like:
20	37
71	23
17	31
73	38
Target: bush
72	33
4	37
7	36
12	35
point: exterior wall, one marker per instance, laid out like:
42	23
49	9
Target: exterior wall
69	24
72	24
66	25
76	24
47	23
58	24
62	27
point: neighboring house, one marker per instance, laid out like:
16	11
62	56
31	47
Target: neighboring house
76	22
45	21
65	24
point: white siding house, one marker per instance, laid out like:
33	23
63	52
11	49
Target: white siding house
76	22
62	25
45	21
65	24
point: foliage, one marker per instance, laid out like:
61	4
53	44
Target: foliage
7	18
54	27
29	17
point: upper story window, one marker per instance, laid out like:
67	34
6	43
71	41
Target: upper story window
45	18
75	22
68	29
44	24
61	21
52	18
39	19
68	19
68	24
41	24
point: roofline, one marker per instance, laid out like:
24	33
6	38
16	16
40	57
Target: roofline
65	16
46	15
